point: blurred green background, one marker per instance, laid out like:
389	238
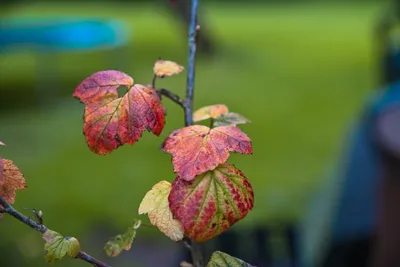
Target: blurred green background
299	72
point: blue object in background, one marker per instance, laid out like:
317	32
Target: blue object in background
48	36
62	34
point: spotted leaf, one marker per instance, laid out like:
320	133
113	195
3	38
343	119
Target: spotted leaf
122	242
208	205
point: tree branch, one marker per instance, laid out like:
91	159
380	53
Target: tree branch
172	96
7	208
195	248
193	29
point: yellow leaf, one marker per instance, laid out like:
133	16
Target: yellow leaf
155	204
207	112
164	68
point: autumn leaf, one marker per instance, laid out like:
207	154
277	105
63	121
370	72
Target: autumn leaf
221	259
13	180
57	246
111	121
1	173
196	149
122	242
155	204
230	119
208	205
209	112
164	68
1	168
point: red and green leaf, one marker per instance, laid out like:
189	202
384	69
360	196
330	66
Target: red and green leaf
211	203
196	149
111	121
121	242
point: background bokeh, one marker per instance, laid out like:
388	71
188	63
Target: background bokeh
299	71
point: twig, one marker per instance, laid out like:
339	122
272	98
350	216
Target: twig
19	216
195	248
86	257
172	96
153	82
7	208
193	29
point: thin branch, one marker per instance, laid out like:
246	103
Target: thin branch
19	216
193	30
86	257
172	96
7	208
153	82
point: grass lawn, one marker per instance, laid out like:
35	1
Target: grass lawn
299	72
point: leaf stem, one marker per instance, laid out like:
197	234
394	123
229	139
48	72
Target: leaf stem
148	225
7	208
212	122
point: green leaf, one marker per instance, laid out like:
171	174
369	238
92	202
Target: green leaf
122	242
57	246
230	119
220	259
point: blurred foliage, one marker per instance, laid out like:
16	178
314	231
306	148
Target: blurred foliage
299	73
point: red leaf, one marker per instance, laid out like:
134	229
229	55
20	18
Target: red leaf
101	85
13	181
110	121
1	172
208	205
1	168
196	149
